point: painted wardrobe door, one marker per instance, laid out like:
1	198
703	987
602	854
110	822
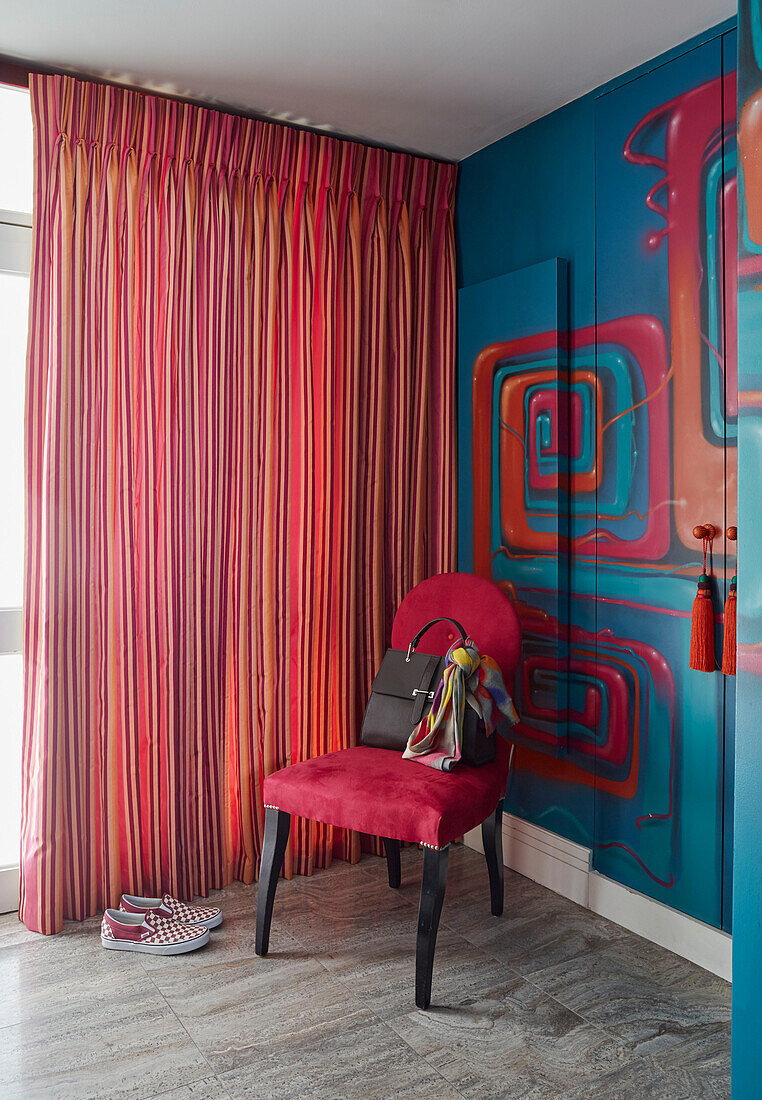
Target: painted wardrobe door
660	202
730	377
513	516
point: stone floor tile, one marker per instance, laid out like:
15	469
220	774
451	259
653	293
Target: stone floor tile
649	1008
361	1059
511	1041
128	1048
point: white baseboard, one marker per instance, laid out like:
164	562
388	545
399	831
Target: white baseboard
9	889
565	867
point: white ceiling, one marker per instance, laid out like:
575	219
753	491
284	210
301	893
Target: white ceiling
443	77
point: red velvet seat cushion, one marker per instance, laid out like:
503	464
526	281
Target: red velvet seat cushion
375	791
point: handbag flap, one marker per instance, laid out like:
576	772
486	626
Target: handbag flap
400	677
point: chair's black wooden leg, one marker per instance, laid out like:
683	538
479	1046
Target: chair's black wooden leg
277	828
392	849
432	896
492	838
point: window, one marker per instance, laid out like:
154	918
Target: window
15	254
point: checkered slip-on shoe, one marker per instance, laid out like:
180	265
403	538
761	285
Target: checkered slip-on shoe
195	916
153	935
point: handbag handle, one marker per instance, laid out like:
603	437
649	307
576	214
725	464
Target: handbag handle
422	631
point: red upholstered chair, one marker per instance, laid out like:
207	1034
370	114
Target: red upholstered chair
375	791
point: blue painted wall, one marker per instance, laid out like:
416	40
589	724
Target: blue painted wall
530	197
524	200
747	901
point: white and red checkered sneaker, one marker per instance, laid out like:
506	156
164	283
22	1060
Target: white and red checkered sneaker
195	916
154	935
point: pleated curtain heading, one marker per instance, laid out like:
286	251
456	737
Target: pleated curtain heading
239	457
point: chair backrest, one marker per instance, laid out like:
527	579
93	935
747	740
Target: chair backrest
485	611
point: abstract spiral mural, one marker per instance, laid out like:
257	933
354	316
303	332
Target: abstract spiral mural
595	452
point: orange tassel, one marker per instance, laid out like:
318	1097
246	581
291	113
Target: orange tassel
702	617
729	633
702	629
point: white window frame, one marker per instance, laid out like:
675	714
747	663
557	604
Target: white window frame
15	259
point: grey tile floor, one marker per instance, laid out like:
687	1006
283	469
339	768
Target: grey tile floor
547	1001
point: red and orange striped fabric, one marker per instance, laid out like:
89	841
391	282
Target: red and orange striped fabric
239	457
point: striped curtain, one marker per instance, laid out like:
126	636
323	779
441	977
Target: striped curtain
239	457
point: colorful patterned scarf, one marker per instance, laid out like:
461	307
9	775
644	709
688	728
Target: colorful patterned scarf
468	678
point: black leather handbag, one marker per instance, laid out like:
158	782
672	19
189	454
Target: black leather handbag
403	692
